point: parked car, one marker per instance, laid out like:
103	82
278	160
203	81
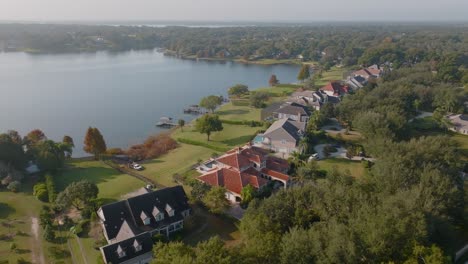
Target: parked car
136	166
314	157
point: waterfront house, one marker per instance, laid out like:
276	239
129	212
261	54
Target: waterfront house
242	166
128	225
283	137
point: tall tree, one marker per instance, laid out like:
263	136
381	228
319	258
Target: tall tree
273	80
68	141
35	136
208	124
248	193
211	102
304	73
94	142
50	155
181	123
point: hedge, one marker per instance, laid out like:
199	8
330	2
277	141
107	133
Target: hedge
202	144
250	123
50	184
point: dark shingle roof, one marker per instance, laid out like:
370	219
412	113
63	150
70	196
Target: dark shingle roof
174	196
293	109
128	246
116	214
283	129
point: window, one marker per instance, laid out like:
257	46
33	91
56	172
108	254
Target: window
121	252
283	141
147	221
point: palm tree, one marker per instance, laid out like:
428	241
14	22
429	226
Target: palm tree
296	158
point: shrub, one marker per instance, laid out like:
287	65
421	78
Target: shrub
14	186
251	123
40	192
153	147
82	227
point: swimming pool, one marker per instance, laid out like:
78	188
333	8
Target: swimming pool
258	139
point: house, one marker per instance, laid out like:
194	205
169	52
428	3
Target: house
459	123
314	99
370	72
240	167
356	82
335	89
283	136
293	111
128	225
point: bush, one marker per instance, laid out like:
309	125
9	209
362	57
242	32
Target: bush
82	227
40	192
202	144
153	147
14	186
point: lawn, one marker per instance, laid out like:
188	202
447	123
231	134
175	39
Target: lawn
334	74
178	160
233	112
111	183
356	168
230	137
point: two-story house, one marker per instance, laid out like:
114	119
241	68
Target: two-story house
244	166
293	111
128	225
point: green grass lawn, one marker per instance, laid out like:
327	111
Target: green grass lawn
356	168
178	160
231	136
111	183
334	74
233	112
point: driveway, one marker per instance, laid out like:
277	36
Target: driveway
340	153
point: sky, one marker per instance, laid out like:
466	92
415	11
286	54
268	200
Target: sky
234	10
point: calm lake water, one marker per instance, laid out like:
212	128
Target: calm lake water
122	94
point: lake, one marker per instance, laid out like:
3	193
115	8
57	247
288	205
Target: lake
122	94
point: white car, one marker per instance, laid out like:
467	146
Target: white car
136	166
314	157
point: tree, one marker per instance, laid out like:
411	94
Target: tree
94	142
273	80
181	123
173	253
248	193
68	141
78	194
238	90
258	99
208	124
50	155
35	136
199	190
304	73
211	102
11	152
427	255
215	200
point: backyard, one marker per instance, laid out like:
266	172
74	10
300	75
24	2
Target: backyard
355	168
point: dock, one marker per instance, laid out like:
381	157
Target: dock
166	122
194	109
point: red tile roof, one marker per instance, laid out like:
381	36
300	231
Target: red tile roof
233	180
336	88
234	160
275	174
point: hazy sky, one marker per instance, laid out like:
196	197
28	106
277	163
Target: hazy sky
235	10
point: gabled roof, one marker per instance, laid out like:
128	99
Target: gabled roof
124	219
254	154
283	129
275	174
110	252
